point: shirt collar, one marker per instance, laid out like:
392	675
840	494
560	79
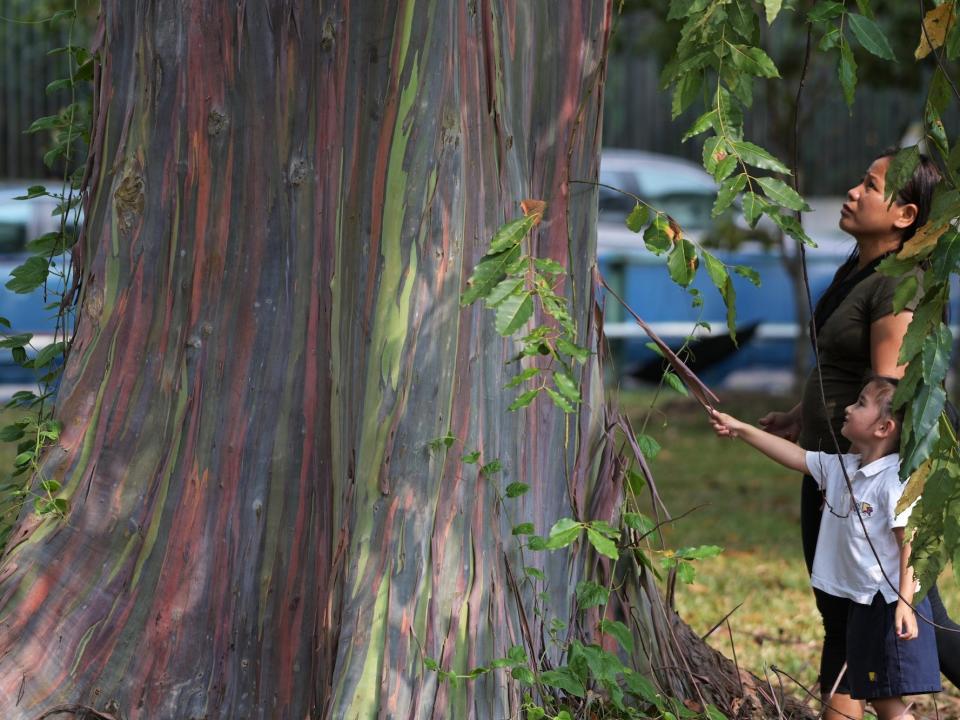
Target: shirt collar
880	464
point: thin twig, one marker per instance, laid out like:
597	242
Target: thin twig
721	621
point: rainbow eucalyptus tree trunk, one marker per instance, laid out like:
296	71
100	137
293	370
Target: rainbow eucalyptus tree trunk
285	201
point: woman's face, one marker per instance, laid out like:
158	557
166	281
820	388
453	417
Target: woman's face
867	214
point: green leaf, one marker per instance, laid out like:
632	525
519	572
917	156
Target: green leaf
548	265
648	446
567	386
512	313
870	36
636	482
23	458
729	295
675	382
471	458
728	192
686	91
49	122
510	234
847	71
753	207
565	680
524	529
825	10
494	466
758	157
11	433
700	552
684	8
791	226
590	594
782	194
904	293
522	377
725	167
748	272
900	170
563	532
638	217
503	290
523	675
754	61
642	688
14	341
656	237
572	349
49	353
516	489
523	399
686	572
682	262
602	545
560	401
536	574
639	522
50	486
487	274
936	355
701	124
714	151
620	631
29	276
773	8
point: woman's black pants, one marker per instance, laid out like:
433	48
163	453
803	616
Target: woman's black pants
834	614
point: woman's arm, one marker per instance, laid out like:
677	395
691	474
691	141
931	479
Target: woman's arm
886	337
905	622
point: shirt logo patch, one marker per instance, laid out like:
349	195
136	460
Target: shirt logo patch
872	676
866	509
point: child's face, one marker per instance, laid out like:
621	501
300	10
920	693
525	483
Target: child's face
862	418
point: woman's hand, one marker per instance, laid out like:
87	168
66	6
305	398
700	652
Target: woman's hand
905	622
783	424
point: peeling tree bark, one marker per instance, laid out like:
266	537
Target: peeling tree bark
284	203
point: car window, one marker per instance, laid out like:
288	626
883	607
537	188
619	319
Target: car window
614	205
13	238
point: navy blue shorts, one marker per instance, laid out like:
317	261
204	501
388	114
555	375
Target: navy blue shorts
880	665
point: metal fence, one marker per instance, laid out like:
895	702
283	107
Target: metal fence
26	70
836	145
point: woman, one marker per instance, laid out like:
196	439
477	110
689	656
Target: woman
858	335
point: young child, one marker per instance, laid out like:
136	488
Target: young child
888	653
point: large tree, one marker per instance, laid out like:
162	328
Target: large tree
284	203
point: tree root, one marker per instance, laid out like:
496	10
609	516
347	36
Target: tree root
736	692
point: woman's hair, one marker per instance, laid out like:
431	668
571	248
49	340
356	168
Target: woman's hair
918	190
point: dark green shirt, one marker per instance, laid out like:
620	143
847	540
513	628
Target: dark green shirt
844	345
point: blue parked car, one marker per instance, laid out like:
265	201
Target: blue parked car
20	222
766	313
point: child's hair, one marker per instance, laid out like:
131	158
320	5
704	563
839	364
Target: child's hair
885	388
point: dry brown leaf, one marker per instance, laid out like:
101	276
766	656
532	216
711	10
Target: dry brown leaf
536	208
937	22
914	488
926	237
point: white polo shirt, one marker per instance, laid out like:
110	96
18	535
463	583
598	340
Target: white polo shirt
844	565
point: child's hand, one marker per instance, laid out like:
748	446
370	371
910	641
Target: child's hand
905	622
724	425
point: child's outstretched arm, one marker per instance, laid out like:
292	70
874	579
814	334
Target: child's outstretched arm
905	621
783	451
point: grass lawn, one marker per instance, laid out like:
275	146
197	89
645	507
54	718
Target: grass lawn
750	506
